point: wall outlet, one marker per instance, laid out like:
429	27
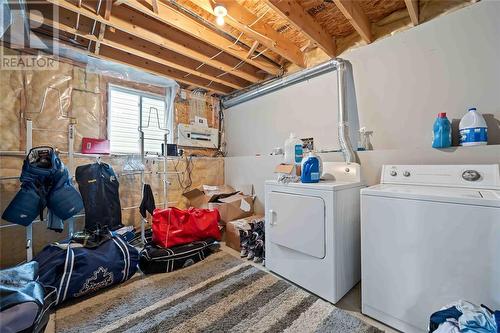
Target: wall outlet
200	121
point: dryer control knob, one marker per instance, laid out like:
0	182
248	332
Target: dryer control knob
406	173
394	173
471	175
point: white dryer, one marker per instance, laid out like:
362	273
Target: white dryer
430	235
312	231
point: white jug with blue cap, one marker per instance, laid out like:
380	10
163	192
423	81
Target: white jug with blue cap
473	129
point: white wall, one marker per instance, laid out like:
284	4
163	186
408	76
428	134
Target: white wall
255	170
308	109
444	65
402	82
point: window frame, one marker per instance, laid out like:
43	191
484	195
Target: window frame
141	93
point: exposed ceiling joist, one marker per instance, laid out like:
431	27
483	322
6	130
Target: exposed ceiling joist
123	58
413	11
228	29
157	39
353	12
34	17
261	38
172	17
245	21
102	28
293	12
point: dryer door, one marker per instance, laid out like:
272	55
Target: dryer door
297	222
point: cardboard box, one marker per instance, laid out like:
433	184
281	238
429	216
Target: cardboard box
232	232
200	197
232	205
288	169
232	237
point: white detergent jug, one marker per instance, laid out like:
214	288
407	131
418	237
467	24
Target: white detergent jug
293	150
473	129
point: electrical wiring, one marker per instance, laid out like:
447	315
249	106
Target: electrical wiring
222	139
261	52
238	65
181	176
259	18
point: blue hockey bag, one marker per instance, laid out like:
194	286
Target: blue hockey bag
24	303
76	270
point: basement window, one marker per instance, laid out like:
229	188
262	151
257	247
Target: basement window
124	116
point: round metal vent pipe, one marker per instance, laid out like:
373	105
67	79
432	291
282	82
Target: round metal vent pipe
294	78
279	83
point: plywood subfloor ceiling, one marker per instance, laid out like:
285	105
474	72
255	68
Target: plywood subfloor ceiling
260	39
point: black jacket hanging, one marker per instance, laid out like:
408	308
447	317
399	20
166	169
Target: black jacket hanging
99	186
148	201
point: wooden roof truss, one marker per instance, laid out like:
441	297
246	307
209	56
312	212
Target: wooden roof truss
180	39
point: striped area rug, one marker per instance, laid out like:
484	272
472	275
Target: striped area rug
220	294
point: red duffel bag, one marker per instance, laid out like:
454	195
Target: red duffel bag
173	226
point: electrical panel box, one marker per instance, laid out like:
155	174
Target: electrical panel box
197	136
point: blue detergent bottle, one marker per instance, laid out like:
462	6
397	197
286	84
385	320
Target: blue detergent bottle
310	169
442	132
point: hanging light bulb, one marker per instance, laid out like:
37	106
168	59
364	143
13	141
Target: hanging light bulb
220	11
220	20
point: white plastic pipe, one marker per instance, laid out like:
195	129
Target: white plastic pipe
29	229
71	162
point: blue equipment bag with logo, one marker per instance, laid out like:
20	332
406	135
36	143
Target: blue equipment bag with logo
75	270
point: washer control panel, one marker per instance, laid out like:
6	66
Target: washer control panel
485	176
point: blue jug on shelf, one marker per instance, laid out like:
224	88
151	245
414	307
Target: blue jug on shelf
311	169
442	132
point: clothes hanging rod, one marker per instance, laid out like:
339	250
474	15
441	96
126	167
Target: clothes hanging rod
35	221
159	204
12	153
161	158
131	173
10	178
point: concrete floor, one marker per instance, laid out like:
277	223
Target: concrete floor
351	302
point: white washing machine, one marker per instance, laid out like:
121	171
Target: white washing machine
312	231
430	235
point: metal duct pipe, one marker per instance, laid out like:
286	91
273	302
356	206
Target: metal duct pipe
279	83
344	141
